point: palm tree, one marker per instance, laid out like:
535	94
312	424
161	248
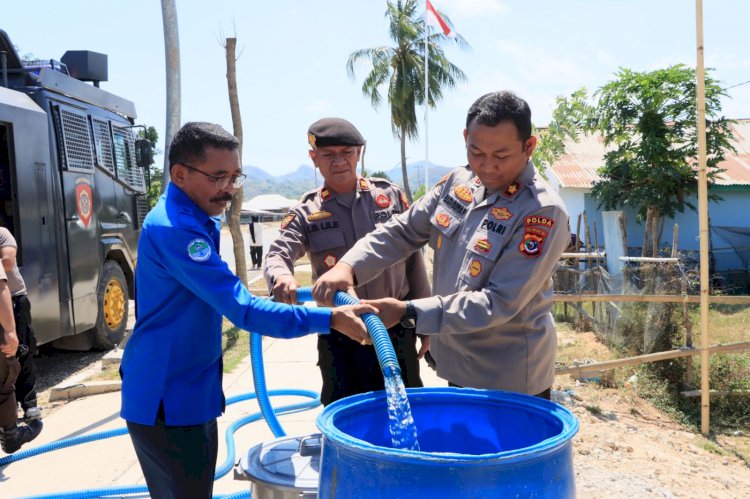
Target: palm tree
402	68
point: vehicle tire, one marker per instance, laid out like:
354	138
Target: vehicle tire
112	298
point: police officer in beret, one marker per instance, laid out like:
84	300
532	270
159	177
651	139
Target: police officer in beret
498	230
325	224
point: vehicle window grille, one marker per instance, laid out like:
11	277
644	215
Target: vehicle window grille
124	149
77	140
58	137
141	208
103	143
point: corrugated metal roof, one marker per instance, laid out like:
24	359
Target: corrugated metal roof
578	168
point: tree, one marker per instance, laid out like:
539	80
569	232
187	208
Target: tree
401	68
379	174
154	172
233	214
649	122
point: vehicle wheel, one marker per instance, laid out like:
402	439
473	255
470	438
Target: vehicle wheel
112	297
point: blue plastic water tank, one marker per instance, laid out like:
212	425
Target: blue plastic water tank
475	443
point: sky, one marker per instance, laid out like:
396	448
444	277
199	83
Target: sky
292	65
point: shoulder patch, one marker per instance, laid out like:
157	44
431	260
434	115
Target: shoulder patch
199	250
382	201
287	220
541	221
531	245
405	200
318	215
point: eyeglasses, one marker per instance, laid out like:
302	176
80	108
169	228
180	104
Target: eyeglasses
221	182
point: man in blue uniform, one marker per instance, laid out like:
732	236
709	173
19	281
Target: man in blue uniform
172	366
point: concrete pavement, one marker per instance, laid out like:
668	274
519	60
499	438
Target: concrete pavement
112	462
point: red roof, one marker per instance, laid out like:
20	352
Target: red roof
578	168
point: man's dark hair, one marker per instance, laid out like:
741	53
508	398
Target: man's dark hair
490	109
190	142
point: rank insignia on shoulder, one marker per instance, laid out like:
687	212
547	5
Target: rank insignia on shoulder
442	180
405	200
483	246
325	194
531	245
383	201
287	220
318	215
329	260
364	185
199	250
541	221
475	268
463	192
443	219
502	213
512	189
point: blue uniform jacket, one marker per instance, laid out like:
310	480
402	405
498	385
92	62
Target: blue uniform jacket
183	288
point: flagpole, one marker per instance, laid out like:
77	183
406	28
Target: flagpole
426	100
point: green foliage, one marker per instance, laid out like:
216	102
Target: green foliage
153	172
379	174
419	192
649	121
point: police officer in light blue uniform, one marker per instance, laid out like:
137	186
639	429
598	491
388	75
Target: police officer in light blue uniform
172	366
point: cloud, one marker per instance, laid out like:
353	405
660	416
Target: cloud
470	8
537	65
319	106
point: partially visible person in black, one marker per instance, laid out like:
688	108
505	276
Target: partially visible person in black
256	241
25	384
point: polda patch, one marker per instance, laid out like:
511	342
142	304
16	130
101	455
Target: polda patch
531	245
287	220
382	201
540	221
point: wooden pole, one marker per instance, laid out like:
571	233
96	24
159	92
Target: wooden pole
702	218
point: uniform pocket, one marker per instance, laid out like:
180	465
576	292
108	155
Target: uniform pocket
482	251
325	240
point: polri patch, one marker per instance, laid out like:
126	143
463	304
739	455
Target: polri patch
502	213
463	193
199	250
287	220
329	260
318	215
382	201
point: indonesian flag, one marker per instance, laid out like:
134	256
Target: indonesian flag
432	18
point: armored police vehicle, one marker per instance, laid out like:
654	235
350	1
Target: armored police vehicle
72	192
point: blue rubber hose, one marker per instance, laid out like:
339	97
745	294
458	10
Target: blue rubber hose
381	340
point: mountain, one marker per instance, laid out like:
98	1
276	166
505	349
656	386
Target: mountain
293	185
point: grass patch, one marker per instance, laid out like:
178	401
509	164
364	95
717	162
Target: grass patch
235	345
710	446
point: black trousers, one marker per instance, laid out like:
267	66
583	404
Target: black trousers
256	255
546	394
26	382
178	462
348	368
9	369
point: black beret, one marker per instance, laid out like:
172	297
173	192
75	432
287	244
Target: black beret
333	132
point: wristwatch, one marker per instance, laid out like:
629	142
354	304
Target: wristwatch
409	320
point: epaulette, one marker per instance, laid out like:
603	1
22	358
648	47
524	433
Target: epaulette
307	196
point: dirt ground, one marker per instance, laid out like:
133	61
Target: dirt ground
627	447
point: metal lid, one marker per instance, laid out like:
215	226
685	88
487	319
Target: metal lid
287	464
